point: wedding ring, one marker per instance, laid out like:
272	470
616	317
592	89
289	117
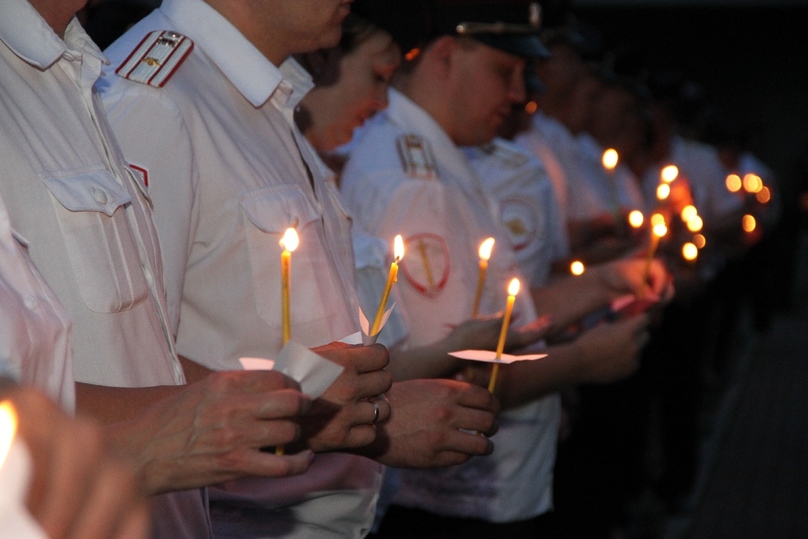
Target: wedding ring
376	409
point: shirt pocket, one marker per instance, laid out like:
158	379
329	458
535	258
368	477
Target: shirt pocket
102	249
269	212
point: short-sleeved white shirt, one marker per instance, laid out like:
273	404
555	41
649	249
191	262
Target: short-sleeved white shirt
88	220
444	212
527	203
35	341
229	173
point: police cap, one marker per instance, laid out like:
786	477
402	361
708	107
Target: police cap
508	25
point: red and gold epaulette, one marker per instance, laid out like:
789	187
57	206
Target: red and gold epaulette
416	157
156	58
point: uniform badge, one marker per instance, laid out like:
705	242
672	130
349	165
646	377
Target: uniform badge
417	158
520	221
156	58
427	265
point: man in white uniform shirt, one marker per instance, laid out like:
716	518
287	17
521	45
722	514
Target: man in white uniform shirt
229	172
88	221
407	175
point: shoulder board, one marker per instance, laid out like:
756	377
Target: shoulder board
509	156
156	58
416	157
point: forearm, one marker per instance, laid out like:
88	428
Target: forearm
109	405
432	361
525	381
570	298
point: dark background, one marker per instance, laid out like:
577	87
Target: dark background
752	62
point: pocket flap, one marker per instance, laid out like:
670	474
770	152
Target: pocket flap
275	209
89	191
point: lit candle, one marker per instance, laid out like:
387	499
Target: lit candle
690	252
749	223
669	173
485	255
513	289
609	160
636	219
289	242
695	224
15	475
663	191
392	277
657	232
577	267
733	183
689	212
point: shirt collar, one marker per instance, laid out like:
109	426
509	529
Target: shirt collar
243	65
26	33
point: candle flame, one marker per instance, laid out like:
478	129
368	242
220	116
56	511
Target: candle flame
669	173
700	241
764	195
636	218
695	224
657	219
610	159
663	191
733	183
8	427
690	252
290	240
513	287
660	230
486	247
749	223
689	212
577	268
531	107
398	248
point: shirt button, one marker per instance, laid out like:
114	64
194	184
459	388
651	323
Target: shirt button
99	195
30	302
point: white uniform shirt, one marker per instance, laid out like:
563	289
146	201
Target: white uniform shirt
614	193
443	211
225	171
35	340
88	221
528	205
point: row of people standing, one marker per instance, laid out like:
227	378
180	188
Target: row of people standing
210	137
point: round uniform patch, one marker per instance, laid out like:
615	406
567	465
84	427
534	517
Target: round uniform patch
520	221
427	264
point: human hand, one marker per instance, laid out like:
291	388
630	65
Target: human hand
483	334
78	489
344	416
424	429
610	351
626	276
214	430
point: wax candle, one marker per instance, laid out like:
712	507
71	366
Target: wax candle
513	289
392	277
485	255
289	243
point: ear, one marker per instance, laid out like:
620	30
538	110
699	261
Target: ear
441	52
